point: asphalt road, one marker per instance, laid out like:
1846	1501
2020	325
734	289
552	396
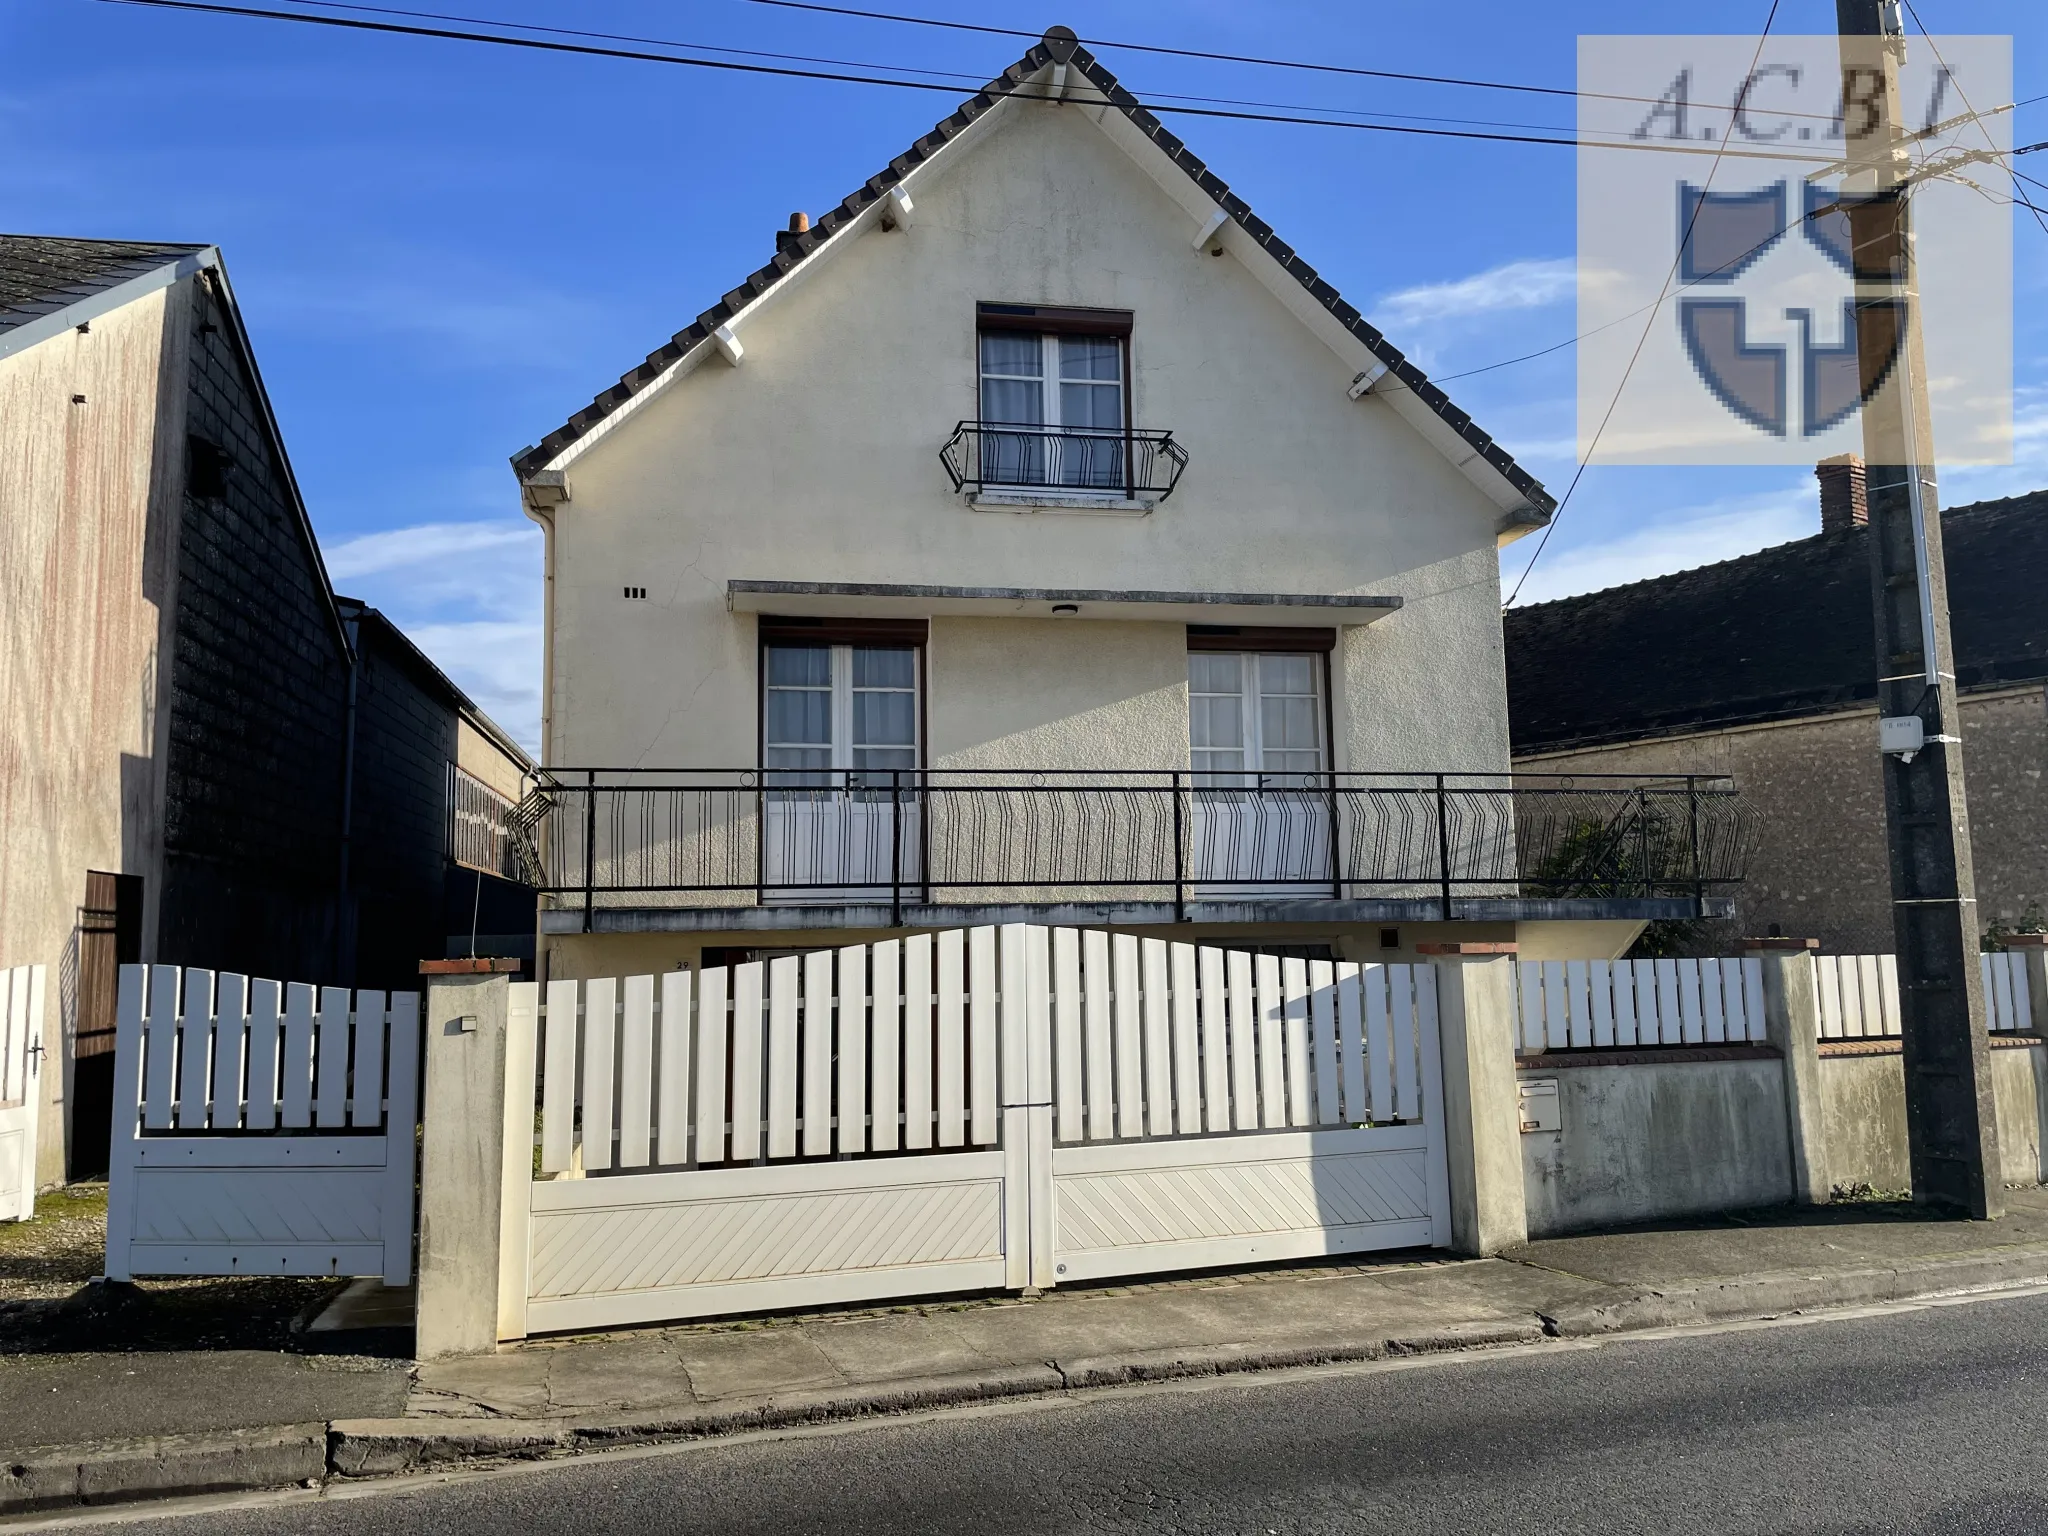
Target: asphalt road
1933	1420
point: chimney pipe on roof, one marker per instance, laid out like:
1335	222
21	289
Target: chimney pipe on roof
1843	503
785	239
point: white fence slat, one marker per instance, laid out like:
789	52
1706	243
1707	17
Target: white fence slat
817	1054
1734	1017
1856	1021
1649	1010
983	984
1033	1054
195	1057
261	1075
1828	996
1069	1092
558	1079
1187	1041
1867	984
1215	1002
230	1025
401	1117
748	983
1244	1043
1407	1081
1621	975
296	1099
1713	1022
1294	1006
1670	1023
1272	1016
1158	1038
672	1091
330	1085
1379	1043
1753	1020
714	1035
1578	991
1557	1033
917	1042
636	1072
1322	1025
366	1078
1600	987
1130	1079
1691	1022
1529	975
950	1054
852	1037
2007	1013
1888	993
1351	1042
2022	996
13	1016
784	975
1099	1033
600	1066
885	1053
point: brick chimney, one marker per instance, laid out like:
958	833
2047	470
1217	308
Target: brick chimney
785	239
1842	500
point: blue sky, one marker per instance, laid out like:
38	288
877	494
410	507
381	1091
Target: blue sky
444	249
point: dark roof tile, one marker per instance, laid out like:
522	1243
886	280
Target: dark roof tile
42	274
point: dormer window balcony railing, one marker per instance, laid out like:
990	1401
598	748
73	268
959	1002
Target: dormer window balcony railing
1063	461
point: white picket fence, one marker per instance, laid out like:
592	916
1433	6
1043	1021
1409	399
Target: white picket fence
1859	995
261	1128
1628	1004
965	1110
22	996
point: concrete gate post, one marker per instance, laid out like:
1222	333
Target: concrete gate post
1792	1023
1475	987
467	1141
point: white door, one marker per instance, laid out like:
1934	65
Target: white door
1261	820
21	1084
840	749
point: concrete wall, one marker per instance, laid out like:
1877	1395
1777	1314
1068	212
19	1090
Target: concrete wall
88	542
1645	1141
1817	799
1863	1102
816	459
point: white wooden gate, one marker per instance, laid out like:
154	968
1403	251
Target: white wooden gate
21	1087
261	1128
960	1111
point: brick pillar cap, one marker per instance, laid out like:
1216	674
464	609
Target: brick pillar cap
2024	940
1780	941
481	965
1489	948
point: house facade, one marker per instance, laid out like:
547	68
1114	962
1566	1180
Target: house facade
206	759
1763	668
1036	535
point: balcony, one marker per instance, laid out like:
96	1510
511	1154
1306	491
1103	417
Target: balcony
983	459
632	850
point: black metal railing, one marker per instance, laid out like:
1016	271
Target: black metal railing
982	455
988	836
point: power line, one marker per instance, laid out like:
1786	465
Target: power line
1963	97
1592	447
356	24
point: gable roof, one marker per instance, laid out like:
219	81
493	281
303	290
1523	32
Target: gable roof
429	673
1776	635
1061	52
47	280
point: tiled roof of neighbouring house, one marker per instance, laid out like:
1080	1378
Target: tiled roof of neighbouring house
41	274
1775	635
1059	47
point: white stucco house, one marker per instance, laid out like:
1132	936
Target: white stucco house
1038	536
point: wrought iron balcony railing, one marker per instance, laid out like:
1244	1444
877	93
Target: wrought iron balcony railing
649	837
987	456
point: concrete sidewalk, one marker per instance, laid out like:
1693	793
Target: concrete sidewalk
358	1417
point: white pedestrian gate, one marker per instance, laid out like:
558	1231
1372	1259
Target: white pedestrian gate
21	1087
261	1128
959	1111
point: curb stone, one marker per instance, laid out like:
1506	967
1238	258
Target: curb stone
162	1466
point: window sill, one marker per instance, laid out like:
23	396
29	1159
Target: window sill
1058	501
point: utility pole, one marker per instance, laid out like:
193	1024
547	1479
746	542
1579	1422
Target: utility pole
1951	1125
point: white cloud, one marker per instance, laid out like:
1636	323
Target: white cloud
1682	542
1515	285
469	595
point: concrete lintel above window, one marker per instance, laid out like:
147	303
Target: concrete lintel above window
890	600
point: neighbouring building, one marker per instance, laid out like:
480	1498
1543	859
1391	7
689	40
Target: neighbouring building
1037	536
206	759
1764	668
